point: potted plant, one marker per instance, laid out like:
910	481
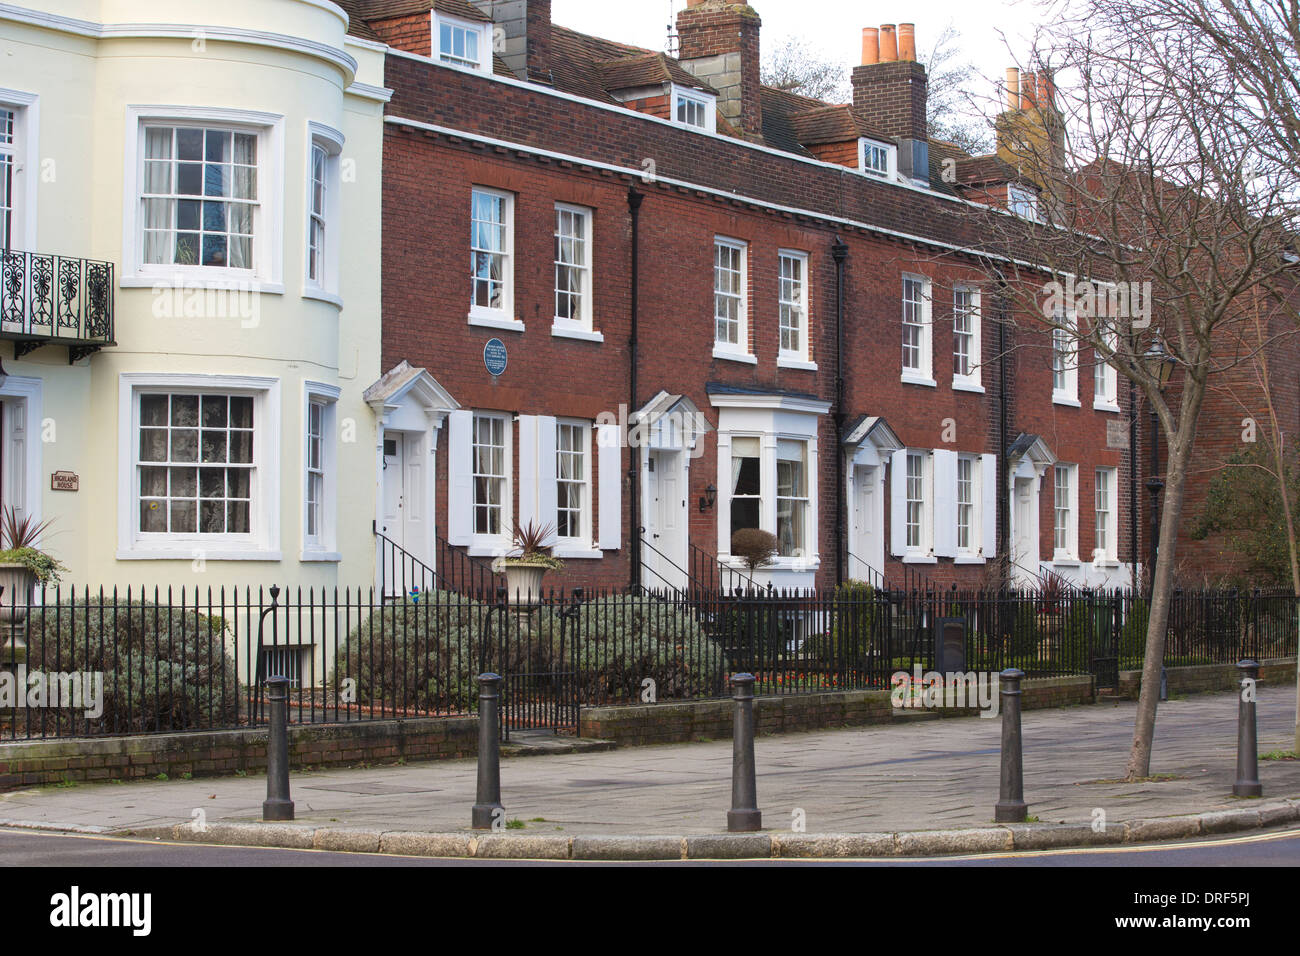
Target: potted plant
525	569
22	565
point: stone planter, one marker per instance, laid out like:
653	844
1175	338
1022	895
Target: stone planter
524	581
18	582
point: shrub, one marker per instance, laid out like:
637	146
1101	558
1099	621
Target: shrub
852	640
429	653
755	547
163	668
623	639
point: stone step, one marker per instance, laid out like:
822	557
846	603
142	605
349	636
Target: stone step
531	743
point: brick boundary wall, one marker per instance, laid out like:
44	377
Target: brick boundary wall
1207	678
679	722
212	753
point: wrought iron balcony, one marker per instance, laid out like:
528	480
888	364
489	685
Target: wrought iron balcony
55	300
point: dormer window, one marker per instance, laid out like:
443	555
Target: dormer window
694	109
462	43
1022	201
877	159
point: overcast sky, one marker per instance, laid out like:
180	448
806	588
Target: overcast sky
993	32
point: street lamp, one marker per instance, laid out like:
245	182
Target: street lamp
1160	366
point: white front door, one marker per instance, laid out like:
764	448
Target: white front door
1024	510
664	561
406	514
866	543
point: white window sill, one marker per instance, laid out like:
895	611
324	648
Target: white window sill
1105	407
489	548
969	559
313	292
732	355
185	281
577	553
920	559
1106	563
570	332
496	322
1065	561
1058	399
915	378
798	565
965	385
194	552
797	363
308	556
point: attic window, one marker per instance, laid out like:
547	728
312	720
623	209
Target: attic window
877	159
462	43
1023	202
694	109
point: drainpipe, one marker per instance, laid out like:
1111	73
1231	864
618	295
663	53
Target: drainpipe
1004	508
1133	483
840	253
634	200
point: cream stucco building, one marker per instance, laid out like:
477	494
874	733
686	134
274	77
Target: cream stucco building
190	299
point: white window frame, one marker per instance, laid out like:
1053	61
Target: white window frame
924	548
487	316
1109	508
975	517
707	103
970	382
262	543
1065	351
923	373
796	306
581	540
580	327
326	284
738	351
484	32
266	273
25	158
890	150
1069	511
323	546
1023	201
801	547
487	543
1105	381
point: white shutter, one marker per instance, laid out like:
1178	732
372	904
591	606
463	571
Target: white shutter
989	493
527	471
898	503
546	490
460	477
610	476
945	503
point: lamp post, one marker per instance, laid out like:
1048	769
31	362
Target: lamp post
1160	365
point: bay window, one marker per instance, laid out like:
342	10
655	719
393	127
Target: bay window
746	483
791	497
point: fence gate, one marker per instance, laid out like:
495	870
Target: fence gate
1107	616
546	702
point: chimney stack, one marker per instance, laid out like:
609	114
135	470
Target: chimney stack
1031	132
719	42
889	94
526	31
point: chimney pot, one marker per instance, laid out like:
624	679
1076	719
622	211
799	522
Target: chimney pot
888	43
907	42
1013	88
870	46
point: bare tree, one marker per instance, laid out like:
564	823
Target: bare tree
796	67
1166	227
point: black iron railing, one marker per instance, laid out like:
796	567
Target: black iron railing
137	662
51	299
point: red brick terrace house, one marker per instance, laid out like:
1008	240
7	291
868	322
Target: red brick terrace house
718	306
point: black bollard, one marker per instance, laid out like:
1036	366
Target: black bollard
277	805
1247	784
487	810
1011	806
744	815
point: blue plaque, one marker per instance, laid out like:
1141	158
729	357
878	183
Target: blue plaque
495	357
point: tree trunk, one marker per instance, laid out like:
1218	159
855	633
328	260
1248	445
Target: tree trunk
1139	761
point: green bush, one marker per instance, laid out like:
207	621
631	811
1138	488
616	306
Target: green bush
163	669
852	640
622	640
428	653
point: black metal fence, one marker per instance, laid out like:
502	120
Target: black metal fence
77	663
